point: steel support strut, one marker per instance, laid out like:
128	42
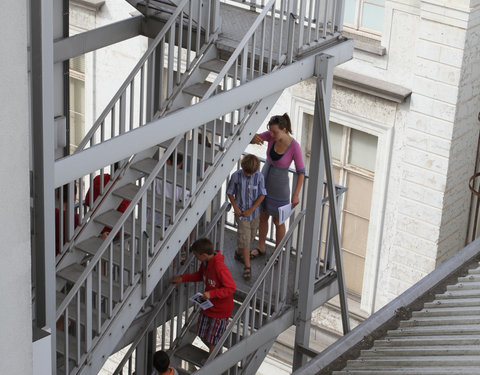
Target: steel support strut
320	165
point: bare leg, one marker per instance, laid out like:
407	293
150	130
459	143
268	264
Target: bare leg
245	253
262	230
279	231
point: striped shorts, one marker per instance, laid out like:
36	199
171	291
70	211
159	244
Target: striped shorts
211	329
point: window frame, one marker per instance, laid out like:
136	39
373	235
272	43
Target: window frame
357	28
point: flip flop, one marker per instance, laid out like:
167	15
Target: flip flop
258	254
247	273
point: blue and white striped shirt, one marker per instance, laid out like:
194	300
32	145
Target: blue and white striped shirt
246	190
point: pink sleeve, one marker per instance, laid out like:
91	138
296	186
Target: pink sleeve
297	158
266	136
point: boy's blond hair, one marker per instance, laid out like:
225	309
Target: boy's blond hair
250	164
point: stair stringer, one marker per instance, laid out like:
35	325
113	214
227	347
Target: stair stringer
127	310
256	359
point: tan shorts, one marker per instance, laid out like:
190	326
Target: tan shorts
247	231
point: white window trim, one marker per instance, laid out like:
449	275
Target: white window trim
385	135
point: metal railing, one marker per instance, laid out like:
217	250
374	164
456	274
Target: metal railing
133	105
321	18
171	316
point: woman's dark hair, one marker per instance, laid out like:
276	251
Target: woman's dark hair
282	121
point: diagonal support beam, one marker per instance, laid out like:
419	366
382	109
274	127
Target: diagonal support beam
168	127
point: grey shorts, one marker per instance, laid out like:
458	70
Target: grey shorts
247	231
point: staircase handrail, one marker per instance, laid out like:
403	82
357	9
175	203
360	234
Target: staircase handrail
111	236
131	76
253	290
221	75
167	294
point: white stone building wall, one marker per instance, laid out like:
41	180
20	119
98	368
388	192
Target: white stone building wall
16	352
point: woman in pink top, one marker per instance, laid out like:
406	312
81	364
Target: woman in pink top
282	150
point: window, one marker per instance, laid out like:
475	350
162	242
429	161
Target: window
354	156
364	15
77	101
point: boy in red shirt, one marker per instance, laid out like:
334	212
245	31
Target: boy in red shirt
219	288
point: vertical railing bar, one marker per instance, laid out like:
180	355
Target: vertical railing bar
88	312
325	19
272	32
110	280
164	201
199	26
67	338
171	49
132	248
252	56
61	218
189	36
122	113
122	261
209	13
99	295
132	104
77	328
262	49
280	20
301	24
80	195
161	72
179	49
142	89
112	121
262	305
309	23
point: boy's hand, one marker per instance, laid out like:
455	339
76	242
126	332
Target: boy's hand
247	213
177	280
206	295
237	211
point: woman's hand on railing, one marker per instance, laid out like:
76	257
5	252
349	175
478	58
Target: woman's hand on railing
177	280
257	140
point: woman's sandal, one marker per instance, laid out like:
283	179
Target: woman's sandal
238	257
247	273
258	254
274	262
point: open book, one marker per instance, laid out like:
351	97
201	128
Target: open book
200	301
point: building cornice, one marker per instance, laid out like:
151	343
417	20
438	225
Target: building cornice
372	86
93	5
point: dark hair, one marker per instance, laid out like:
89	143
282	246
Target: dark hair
161	361
179	158
250	163
282	121
202	246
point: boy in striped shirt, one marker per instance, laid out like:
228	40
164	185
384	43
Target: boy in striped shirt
246	191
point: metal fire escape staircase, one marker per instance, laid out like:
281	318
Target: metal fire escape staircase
106	284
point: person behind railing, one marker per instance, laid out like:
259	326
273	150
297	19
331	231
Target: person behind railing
96	192
161	364
246	191
219	289
282	150
58	246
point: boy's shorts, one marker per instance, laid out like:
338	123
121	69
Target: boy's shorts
247	230
210	330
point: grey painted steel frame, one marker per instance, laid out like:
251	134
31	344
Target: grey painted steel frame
42	97
168	127
320	164
100	37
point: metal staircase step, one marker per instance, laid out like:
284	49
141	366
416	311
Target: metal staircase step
446	311
198	89
192	354
92	244
474	271
472	285
460	294
468	329
110	218
181	148
436	350
216	65
469	278
72	274
453	302
441	320
428	340
415	361
443	370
